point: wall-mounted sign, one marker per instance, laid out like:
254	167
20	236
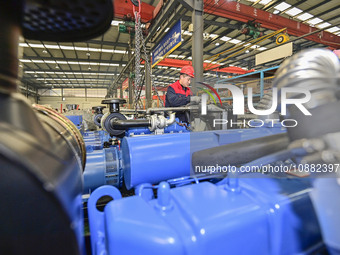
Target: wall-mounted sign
168	43
282	51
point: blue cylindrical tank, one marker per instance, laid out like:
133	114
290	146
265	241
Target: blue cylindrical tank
151	159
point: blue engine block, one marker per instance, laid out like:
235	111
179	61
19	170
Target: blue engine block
250	215
259	216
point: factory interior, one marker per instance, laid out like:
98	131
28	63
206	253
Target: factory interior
173	127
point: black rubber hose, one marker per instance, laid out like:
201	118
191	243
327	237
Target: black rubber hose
239	153
125	124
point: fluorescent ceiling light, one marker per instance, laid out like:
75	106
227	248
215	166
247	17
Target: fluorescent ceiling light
65	47
184	32
294	11
225	38
69	62
323	25
116	23
264	2
262	48
305	16
67	84
65	79
235	41
282	6
276	12
71	73
314	21
37	61
333	29
49	61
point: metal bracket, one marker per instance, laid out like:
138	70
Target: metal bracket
196	5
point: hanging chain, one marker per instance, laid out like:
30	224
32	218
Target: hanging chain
138	38
148	66
139	41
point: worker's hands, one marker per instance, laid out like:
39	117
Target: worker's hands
195	99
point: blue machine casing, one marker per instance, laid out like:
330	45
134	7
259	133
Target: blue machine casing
94	140
102	167
151	159
262	216
173	128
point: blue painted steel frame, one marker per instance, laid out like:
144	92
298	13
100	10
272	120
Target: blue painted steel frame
261	72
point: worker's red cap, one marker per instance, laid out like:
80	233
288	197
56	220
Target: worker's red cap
189	70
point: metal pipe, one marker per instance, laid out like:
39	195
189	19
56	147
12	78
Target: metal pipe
240	153
171	119
132	111
171	109
148	85
9	41
126	124
197	43
316	71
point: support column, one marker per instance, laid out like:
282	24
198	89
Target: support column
148	87
85	94
197	43
130	79
36	96
121	92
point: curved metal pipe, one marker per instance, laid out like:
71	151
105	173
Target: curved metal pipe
315	70
171	119
240	153
125	124
171	109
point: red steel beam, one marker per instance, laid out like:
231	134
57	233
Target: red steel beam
125	7
170	62
237	11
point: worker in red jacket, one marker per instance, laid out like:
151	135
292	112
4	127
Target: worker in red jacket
179	93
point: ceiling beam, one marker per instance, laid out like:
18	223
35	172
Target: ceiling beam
237	11
180	63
